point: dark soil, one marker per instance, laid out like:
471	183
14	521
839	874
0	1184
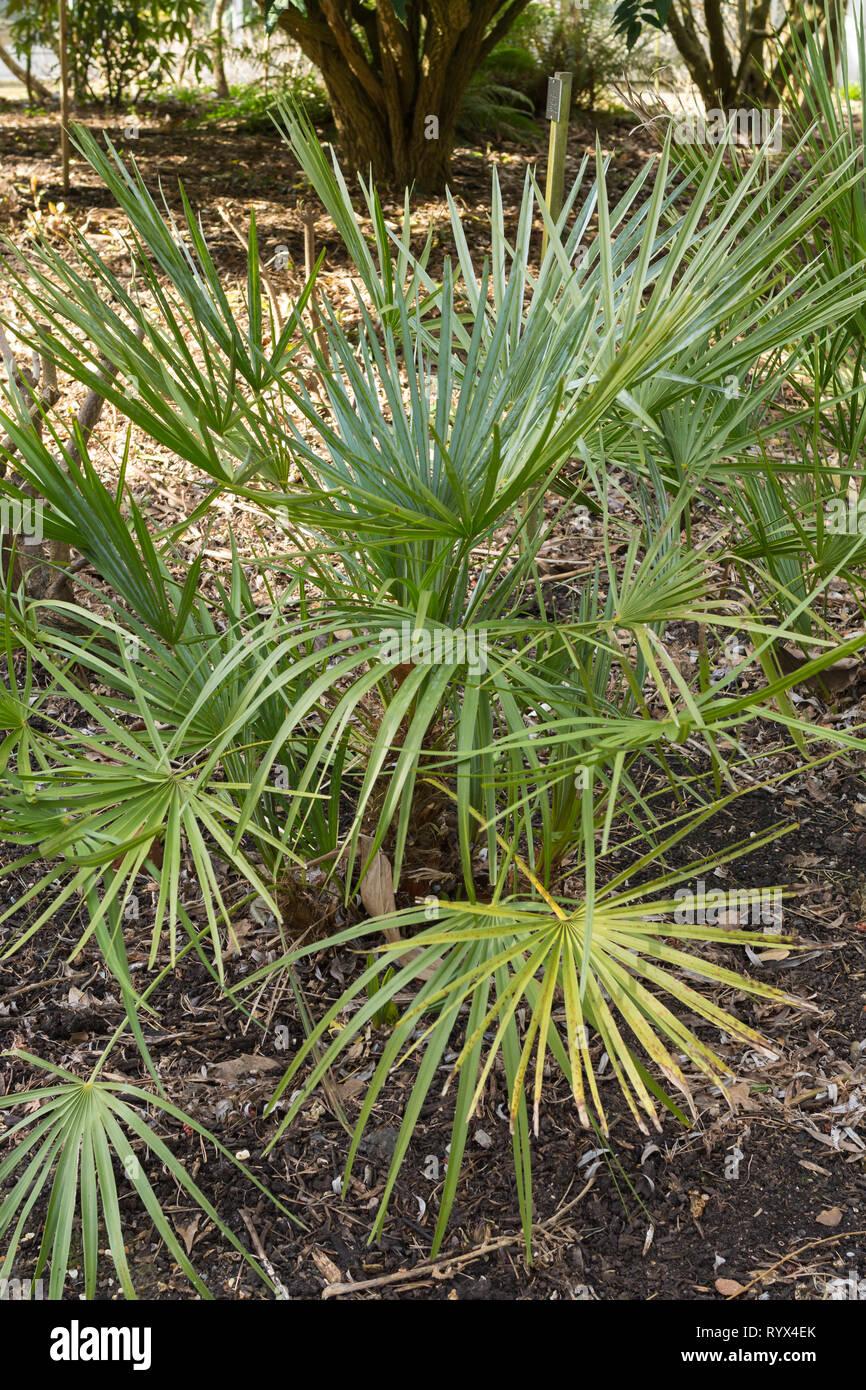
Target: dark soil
654	1218
238	171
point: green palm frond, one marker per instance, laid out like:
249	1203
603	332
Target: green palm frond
84	1146
531	979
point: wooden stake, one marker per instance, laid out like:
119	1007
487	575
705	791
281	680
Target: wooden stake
308	219
62	41
558	112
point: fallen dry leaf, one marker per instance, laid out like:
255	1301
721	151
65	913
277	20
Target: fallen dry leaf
697	1203
814	1168
240	931
351	1087
189	1234
377	885
839	676
326	1267
739	1096
831	1217
729	1287
245	1065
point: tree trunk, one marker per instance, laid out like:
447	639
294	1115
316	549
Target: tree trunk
751	78
221	85
719	79
685	35
24	77
396	89
712	69
720	57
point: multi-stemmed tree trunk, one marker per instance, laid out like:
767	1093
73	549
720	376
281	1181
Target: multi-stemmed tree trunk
396	74
715	66
733	56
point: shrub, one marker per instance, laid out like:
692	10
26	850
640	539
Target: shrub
407	657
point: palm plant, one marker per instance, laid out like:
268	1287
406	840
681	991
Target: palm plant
571	967
790	532
407	649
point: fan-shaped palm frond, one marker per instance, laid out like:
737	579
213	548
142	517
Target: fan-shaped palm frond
83	1146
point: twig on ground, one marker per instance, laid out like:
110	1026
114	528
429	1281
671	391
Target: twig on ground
448	1261
792	1255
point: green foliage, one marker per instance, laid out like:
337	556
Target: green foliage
251	106
486	963
785	505
89	1140
564	37
630	16
492	107
397	454
116	50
